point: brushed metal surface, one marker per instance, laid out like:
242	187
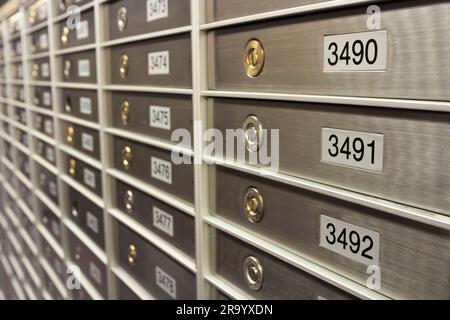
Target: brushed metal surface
281	281
73	73
77	142
46	180
124	292
72	39
179	47
183	224
417	54
415	166
81	255
182	175
227	9
139	114
74	95
148	258
413	259
40	63
179	15
79	175
35	42
84	206
37	96
46	151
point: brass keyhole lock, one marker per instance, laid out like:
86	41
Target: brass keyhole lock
70	134
74	209
127	157
253	133
129	201
67	66
254	58
253	205
35	70
72	167
123	70
68	105
125	112
132	254
122	18
32	17
253	273
65	35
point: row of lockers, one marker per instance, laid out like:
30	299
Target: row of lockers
90	104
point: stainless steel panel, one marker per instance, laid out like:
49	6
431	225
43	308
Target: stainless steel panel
280	280
182	175
139	114
46	151
294	53
179	64
87	215
73	67
41	97
47	182
84	174
39	69
67	37
415	170
91	267
413	257
80	103
77	139
146	263
142	207
178	15
228	9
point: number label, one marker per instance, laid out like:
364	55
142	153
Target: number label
157	9
48	126
95	273
166	282
83	30
89	178
356	243
353	149
92	222
43	41
50	154
47	98
45	70
87	142
85	105
163	221
160	117
158	63
161	170
363	51
52	189
84	68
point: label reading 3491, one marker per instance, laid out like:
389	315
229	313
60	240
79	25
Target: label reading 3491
353	149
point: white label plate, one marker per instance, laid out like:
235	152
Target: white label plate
354	149
46	98
89	178
84	68
43	41
85	105
160	117
52	189
163	221
48	127
50	154
357	243
83	30
166	282
159	63
87	142
45	70
42	12
362	51
161	170
92	222
157	9
95	273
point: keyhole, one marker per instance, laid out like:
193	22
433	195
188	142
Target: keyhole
253	57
